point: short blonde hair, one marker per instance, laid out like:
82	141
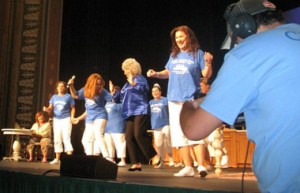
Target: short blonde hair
132	65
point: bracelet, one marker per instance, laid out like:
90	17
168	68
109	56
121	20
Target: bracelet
157	74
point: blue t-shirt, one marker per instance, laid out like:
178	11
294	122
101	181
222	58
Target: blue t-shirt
184	75
261	77
135	98
95	108
62	105
159	113
115	122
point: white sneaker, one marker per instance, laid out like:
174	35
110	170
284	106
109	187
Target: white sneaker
121	164
55	161
224	161
202	171
171	162
186	171
195	164
178	165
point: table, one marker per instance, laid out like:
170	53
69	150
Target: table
16	156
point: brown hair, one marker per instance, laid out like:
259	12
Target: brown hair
117	88
91	85
192	44
56	85
42	113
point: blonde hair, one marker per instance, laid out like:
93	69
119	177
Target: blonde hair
132	65
91	85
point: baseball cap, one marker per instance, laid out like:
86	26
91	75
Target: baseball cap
252	7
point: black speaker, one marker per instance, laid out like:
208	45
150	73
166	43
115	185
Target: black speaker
94	167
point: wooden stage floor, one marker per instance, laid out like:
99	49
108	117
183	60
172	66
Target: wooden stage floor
229	181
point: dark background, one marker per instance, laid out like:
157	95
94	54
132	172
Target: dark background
97	35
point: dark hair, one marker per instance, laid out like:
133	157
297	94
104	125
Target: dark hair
268	17
117	88
192	44
42	113
59	82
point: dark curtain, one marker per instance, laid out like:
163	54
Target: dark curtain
98	35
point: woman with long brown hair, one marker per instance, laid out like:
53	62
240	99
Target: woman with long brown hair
187	63
95	116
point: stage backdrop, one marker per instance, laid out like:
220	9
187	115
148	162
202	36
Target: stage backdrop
26	70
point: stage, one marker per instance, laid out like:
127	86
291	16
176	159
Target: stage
30	177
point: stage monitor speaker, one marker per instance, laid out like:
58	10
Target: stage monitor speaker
94	167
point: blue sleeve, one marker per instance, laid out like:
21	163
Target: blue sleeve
80	94
201	59
71	100
228	96
141	84
51	101
107	96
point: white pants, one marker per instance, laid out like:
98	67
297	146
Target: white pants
93	138
162	140
115	142
62	129
177	137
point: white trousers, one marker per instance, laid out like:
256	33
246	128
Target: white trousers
93	138
62	129
115	142
178	139
162	140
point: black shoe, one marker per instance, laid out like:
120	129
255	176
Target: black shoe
134	169
203	174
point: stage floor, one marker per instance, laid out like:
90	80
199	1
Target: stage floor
229	181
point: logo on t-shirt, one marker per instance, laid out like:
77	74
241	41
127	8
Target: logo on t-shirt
293	35
59	105
181	66
89	102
